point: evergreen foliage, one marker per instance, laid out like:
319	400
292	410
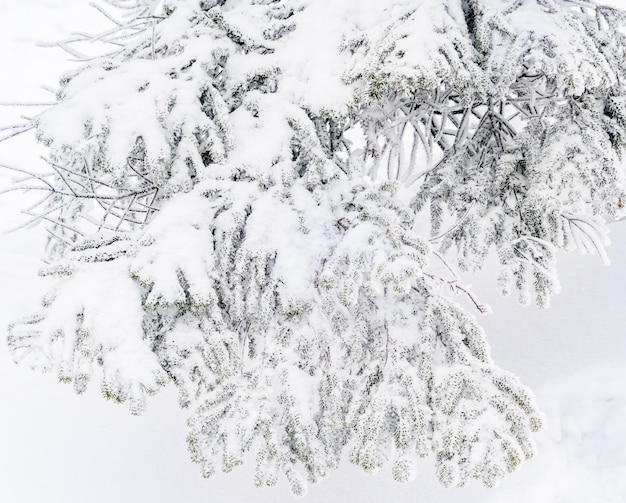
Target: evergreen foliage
265	202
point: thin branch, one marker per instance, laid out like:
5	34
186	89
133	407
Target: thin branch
455	226
445	263
61	224
29	173
34	218
17	133
59	237
483	308
105	13
26	104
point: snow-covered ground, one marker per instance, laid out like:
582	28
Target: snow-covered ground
56	446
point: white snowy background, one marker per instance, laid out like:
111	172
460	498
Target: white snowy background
58	447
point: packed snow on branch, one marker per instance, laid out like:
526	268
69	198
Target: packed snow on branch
269	204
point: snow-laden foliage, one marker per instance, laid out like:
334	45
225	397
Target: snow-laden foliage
518	119
264	202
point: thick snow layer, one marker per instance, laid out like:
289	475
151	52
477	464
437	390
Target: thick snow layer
56	446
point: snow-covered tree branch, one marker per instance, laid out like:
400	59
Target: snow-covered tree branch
269	205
